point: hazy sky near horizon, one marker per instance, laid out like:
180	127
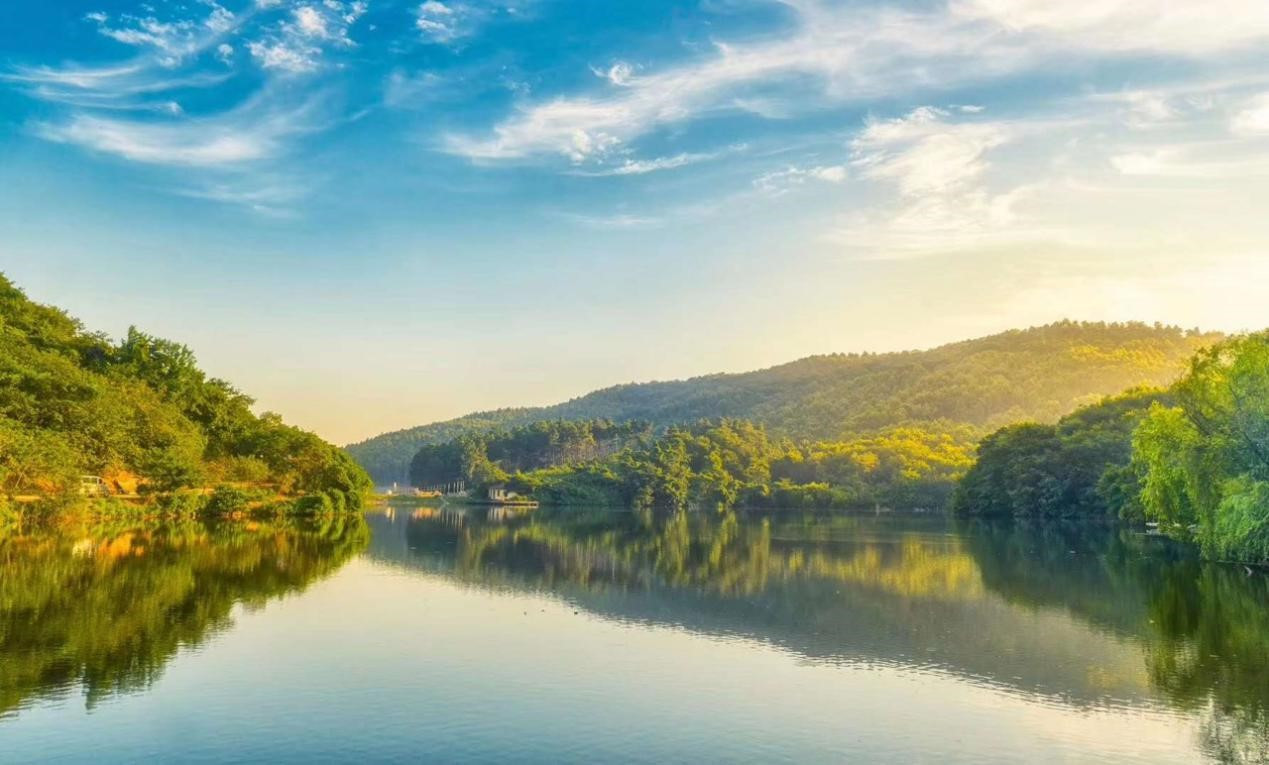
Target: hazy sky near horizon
371	215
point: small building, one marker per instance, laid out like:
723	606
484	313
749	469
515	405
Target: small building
93	486
499	493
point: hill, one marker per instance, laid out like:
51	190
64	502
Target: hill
1037	374
141	415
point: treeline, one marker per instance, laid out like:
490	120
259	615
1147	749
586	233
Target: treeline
1078	467
1035	374
490	457
720	463
1194	458
140	414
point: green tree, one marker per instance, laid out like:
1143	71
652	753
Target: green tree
1205	461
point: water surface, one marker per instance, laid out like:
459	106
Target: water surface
560	636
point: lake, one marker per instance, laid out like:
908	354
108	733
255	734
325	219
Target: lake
600	635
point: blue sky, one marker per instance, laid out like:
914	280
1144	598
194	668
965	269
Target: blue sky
375	214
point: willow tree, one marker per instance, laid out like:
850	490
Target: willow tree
1205	462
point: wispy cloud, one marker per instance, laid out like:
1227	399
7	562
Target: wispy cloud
131	87
924	153
615	221
296	43
936	164
171	41
251	132
781	181
1108	178
644	166
446	22
618	73
852	53
131	110
274	197
1252	118
1127	25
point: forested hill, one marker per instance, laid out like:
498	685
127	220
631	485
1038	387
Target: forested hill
1037	374
142	416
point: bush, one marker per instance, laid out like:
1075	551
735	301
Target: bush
313	504
226	500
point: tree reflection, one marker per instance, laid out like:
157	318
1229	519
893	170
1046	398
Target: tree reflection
106	608
1195	634
723	553
1204	628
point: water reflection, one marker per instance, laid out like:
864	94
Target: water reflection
104	609
1076	615
1093	624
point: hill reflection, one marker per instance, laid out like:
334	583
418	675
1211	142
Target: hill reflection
1069	615
104	609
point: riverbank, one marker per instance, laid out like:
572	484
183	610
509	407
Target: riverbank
231	502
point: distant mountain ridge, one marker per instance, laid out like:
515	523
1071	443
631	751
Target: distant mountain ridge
1040	374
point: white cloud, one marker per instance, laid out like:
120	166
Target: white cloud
850	54
1143	163
296	45
644	166
159	143
220	21
173	39
171	42
844	53
618	74
923	153
129	88
125	77
1253	117
441	23
1198	161
781	181
584	145
267	196
234	155
254	131
285	56
311	22
937	167
615	221
1163	26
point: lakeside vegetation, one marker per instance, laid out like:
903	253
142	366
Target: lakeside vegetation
1193	458
490	457
143	417
1080	466
1038	374
706	464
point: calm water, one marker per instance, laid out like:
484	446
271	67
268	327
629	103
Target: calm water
611	636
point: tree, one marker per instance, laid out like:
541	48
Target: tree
1205	461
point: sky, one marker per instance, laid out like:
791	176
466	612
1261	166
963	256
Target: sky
376	214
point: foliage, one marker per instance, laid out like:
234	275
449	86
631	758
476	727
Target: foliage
1081	466
1036	374
1205	461
485	458
73	403
719	463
